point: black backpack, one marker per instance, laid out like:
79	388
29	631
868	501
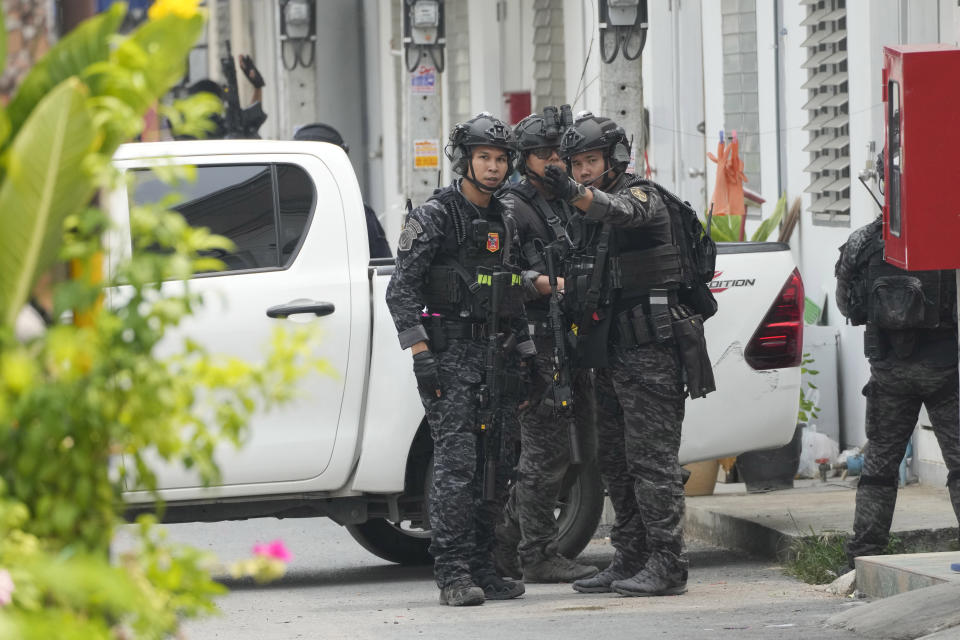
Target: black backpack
852	295
698	253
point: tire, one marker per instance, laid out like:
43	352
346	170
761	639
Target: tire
401	543
579	508
578	513
394	543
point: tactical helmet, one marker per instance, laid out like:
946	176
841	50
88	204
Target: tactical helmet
538	131
590	133
481	130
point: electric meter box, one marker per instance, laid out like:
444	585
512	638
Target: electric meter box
921	157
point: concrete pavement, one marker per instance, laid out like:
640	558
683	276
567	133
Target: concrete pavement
764	524
911	595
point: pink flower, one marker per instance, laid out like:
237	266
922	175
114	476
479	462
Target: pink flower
275	549
6	588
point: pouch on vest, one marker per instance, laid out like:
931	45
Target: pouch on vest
442	286
591	346
698	371
898	302
699	298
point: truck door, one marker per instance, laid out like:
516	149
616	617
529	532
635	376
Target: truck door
267	208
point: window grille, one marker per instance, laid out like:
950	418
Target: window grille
741	102
828	112
548	60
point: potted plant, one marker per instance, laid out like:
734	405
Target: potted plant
772	469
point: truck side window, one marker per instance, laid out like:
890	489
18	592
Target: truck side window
296	196
241	202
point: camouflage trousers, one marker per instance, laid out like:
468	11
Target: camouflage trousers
640	407
894	397
462	521
528	522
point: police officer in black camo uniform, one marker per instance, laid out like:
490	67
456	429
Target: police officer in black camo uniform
911	342
634	274
450	251
543	221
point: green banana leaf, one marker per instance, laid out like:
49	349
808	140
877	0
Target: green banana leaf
45	183
136	76
87	44
175	37
770	224
725	228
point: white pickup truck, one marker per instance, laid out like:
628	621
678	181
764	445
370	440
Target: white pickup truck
356	447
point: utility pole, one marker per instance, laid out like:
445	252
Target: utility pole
422	149
623	34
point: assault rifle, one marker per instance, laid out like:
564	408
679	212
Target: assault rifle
233	117
562	380
491	391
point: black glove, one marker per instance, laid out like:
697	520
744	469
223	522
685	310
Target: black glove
560	184
250	70
427	370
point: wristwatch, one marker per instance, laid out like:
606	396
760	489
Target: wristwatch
581	191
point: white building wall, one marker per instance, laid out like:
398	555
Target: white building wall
582	55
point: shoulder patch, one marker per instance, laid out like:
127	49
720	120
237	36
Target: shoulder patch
411	229
638	193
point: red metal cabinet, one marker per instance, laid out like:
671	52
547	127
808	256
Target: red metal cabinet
921	214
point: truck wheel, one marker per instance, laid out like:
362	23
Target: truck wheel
402	543
579	508
393	542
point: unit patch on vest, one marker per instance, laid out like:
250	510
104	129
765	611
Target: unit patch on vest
638	193
493	242
411	229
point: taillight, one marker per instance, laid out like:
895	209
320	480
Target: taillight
778	341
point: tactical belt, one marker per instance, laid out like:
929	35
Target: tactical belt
471	330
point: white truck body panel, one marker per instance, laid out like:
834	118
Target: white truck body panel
750	409
310	444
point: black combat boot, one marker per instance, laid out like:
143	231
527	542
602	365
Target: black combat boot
461	593
556	568
496	588
619	569
648	583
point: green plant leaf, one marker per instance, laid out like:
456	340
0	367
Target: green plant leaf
87	44
725	228
767	226
173	36
44	184
4	128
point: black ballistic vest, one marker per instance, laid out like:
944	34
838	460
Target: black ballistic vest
460	282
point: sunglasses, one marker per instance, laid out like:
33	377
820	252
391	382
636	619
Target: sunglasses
545	153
